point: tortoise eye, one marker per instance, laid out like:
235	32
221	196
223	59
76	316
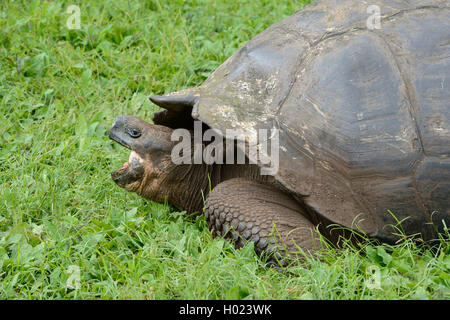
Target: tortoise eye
132	132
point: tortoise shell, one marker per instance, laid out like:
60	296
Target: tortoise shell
363	113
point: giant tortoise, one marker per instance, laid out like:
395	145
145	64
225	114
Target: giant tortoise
362	118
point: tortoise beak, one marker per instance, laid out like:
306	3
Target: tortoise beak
116	132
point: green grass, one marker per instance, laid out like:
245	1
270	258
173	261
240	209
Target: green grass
60	91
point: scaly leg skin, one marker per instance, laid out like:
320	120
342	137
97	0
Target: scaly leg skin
244	210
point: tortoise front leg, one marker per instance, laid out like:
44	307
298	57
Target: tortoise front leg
244	210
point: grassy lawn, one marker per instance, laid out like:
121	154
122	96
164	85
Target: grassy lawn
61	216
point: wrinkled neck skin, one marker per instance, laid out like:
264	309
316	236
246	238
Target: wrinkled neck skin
182	185
187	185
193	183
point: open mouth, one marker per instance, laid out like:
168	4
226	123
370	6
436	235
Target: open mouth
132	170
133	157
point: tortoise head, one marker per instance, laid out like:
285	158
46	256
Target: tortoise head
149	159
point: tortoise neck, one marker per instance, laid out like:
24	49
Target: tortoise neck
193	183
196	181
